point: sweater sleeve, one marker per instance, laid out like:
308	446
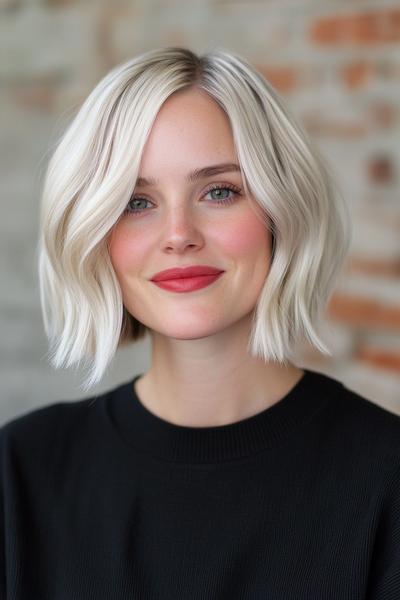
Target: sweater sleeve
384	579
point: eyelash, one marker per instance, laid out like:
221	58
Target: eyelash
223	201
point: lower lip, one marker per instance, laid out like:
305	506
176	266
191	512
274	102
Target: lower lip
187	284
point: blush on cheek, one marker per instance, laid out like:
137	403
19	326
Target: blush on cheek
118	247
246	237
126	249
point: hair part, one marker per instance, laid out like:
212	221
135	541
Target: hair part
93	170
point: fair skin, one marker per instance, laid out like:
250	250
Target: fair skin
201	372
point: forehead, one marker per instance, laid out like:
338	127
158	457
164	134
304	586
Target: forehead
184	104
189	129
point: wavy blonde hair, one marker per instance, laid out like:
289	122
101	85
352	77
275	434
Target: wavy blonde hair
91	176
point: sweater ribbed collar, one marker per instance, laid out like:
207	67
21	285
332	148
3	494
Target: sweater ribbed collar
161	439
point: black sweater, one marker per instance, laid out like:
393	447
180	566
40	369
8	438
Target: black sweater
101	500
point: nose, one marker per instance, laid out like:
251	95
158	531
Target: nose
181	230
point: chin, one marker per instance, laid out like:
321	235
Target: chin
186	333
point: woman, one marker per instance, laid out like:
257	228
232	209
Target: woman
225	471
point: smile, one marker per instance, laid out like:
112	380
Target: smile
187	284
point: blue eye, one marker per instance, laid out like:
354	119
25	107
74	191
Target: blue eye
133	208
133	203
224	199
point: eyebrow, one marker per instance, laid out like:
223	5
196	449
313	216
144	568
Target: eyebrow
196	174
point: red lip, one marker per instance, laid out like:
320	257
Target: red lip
183	272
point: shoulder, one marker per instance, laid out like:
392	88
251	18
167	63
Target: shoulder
358	411
46	427
359	425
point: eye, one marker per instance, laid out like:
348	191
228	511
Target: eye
224	199
133	207
223	194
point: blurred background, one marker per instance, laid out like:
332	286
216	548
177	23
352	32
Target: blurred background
337	65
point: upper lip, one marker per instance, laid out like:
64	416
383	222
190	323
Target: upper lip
182	272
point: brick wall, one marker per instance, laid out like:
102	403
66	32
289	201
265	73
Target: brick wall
338	66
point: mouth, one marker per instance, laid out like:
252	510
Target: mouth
188	284
184	272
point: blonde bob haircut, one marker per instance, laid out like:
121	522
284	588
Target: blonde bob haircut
91	176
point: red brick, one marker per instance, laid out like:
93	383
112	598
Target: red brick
357	74
284	79
323	125
380	358
357	28
383	268
380	169
34	95
383	114
362	312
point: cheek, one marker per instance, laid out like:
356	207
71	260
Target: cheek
246	237
126	250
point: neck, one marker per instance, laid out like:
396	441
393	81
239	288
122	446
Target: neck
211	381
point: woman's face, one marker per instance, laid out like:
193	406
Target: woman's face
175	222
